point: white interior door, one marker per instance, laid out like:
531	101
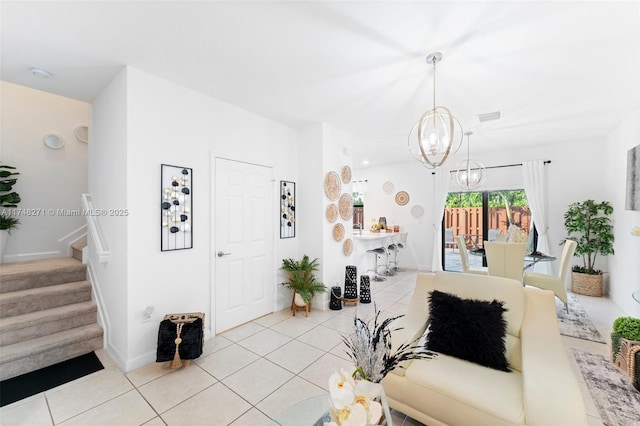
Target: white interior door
243	253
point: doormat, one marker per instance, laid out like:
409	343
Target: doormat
618	402
576	323
20	387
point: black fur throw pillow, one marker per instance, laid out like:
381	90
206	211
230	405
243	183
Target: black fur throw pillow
190	347
473	330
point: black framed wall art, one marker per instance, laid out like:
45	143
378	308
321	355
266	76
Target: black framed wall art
176	207
287	209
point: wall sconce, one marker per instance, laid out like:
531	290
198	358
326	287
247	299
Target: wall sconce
53	141
82	133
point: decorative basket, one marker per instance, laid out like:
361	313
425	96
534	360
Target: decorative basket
623	358
586	284
634	370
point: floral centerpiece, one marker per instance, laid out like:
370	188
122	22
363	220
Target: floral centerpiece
355	396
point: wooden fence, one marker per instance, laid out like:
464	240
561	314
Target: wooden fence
468	220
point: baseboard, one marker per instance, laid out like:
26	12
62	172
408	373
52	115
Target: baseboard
150	357
25	257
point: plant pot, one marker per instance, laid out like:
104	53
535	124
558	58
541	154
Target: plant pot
297	299
586	284
621	354
298	303
4	238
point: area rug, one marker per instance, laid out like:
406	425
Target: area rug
616	399
576	323
20	387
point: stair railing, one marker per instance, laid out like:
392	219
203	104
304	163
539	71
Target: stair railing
102	249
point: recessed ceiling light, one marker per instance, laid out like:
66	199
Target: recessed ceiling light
490	116
39	72
365	162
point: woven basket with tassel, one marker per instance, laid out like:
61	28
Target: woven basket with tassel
180	337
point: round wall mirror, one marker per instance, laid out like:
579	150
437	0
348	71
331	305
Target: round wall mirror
53	141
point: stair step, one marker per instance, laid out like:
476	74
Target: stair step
40	273
36	299
77	248
31	355
24	327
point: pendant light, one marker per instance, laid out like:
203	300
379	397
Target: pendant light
437	134
470	173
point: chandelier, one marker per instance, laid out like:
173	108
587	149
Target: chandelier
437	134
470	173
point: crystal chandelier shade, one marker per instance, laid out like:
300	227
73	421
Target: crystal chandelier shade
438	133
470	173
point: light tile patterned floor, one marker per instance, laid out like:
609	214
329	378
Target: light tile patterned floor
247	376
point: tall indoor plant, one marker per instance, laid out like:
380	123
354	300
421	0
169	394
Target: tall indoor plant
9	199
302	280
589	224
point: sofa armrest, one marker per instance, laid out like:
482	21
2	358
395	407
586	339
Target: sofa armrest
551	392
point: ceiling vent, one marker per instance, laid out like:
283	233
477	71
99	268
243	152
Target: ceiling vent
490	116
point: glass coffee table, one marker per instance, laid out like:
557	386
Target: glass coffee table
314	412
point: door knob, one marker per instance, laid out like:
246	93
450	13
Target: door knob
221	253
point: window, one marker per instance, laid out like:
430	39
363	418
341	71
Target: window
482	216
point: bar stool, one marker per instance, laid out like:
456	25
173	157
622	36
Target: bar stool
396	250
391	270
376	252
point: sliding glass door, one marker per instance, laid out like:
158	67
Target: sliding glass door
478	217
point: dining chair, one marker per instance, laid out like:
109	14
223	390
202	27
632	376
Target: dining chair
555	283
464	258
448	238
505	259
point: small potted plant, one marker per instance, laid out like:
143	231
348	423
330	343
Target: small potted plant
588	224
302	281
8	199
625	335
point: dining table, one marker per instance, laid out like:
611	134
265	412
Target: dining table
530	259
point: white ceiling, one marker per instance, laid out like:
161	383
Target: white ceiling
559	71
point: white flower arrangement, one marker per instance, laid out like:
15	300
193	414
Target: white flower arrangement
353	402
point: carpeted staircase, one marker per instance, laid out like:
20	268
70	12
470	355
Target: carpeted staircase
46	315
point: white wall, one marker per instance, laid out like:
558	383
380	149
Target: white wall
624	265
310	195
323	148
109	185
50	180
167	123
335	155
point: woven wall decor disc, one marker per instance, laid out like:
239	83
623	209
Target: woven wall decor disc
346	174
417	211
387	187
345	205
402	198
338	232
332	213
347	247
332	186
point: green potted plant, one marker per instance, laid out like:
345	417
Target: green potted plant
588	224
302	281
625	335
9	199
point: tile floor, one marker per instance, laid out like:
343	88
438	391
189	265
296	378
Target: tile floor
292	356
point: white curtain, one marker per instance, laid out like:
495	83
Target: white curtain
533	178
439	200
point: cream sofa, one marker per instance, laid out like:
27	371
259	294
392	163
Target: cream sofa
541	389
